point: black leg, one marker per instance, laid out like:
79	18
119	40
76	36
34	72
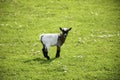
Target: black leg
58	52
43	50
45	53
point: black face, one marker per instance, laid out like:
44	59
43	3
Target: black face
65	31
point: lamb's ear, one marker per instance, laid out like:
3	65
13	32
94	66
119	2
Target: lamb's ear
69	29
60	28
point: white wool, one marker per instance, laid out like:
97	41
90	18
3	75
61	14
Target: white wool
49	40
65	29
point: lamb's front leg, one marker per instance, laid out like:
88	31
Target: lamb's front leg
58	52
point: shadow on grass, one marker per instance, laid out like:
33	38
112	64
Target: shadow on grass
42	61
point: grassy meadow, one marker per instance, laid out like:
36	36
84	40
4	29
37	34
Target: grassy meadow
91	51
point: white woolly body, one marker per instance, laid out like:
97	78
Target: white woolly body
49	40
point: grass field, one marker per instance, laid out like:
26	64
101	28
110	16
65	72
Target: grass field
91	51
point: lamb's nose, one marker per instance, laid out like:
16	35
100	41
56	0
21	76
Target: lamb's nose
65	35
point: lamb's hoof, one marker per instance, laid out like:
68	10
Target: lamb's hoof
48	58
57	56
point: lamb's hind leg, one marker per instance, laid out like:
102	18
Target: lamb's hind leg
58	52
45	53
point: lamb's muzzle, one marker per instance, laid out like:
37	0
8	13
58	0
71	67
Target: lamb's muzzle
58	39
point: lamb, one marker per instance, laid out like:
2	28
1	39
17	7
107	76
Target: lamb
57	39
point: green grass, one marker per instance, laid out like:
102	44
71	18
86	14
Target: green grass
91	51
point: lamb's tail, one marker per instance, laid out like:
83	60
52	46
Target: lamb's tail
40	37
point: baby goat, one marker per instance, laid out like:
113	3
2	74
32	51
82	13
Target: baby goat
58	39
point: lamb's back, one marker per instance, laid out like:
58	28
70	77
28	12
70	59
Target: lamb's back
49	39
